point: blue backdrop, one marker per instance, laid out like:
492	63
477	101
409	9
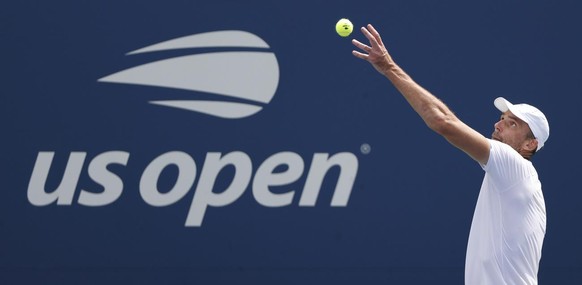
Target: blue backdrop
404	220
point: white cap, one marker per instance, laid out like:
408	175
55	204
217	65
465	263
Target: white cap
535	119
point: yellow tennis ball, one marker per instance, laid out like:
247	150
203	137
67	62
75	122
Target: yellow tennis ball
344	27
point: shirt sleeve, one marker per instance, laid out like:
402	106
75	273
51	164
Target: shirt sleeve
505	165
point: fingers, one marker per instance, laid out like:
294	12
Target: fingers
367	34
376	47
377	37
359	55
374	33
362	46
374	39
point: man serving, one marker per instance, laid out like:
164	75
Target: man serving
509	223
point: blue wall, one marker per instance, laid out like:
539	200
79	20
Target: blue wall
407	215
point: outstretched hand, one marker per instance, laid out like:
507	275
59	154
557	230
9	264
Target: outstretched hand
376	52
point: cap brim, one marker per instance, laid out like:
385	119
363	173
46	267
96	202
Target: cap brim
502	104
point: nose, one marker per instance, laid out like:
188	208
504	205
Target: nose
497	126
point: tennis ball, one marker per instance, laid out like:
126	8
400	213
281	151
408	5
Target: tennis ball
344	27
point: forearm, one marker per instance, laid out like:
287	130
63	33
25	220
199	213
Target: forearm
432	110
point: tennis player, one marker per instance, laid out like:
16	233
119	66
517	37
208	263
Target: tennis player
509	223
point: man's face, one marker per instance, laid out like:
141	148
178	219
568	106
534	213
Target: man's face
512	131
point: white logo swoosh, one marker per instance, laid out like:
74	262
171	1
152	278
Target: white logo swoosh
251	76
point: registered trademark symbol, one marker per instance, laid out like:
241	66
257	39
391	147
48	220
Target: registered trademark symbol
365	148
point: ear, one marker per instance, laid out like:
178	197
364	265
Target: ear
530	144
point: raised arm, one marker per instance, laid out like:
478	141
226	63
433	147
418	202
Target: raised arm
433	111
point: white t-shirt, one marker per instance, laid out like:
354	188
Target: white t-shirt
509	224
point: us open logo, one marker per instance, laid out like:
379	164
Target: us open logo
243	82
240	83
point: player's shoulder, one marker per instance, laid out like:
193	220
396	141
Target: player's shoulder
503	154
